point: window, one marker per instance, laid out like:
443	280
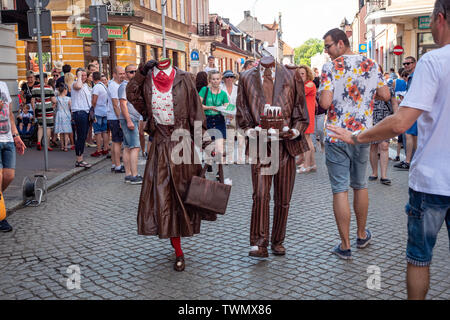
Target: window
182	11
142	3
174	9
140	53
153	5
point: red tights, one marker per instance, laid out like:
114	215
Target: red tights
176	244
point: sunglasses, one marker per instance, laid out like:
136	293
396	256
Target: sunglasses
132	71
328	46
407	63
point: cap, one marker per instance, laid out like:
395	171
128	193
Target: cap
229	74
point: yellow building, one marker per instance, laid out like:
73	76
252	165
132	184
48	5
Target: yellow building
134	35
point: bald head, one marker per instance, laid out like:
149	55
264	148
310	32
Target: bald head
119	74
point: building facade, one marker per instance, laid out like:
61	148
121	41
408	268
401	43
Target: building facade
398	22
134	34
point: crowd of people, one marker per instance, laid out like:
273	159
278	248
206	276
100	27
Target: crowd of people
352	117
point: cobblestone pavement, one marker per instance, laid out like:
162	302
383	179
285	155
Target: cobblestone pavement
91	222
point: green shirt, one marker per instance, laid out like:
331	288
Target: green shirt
213	100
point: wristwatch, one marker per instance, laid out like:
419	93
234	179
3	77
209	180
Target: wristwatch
15	135
355	136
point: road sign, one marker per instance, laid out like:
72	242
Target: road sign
398	50
103	34
45	20
103	14
32	3
105	49
195	56
195	63
362	48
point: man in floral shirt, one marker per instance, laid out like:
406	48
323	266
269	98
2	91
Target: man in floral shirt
350	83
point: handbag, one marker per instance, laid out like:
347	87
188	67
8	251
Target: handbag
210	197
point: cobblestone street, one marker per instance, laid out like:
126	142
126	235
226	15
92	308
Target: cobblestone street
91	222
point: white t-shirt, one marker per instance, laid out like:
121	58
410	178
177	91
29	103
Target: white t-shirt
5	123
208	69
113	88
430	92
101	92
81	99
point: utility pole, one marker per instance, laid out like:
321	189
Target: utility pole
163	24
254	37
99	43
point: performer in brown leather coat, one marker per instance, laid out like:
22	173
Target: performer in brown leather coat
272	83
169	99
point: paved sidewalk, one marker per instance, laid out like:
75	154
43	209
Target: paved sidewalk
61	167
90	222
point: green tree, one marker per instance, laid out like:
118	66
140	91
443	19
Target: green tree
304	53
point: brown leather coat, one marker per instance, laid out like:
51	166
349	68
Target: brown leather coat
289	94
161	206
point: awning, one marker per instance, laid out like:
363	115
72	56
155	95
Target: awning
398	15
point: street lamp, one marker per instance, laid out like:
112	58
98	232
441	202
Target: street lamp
254	38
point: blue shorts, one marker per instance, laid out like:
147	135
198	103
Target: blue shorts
116	131
426	214
100	125
347	165
7	155
130	137
413	130
216	122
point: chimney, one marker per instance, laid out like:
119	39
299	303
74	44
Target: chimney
247	14
280	29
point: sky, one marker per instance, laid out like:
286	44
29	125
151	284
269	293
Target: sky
301	19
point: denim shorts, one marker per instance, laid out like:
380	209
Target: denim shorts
116	131
347	165
101	125
130	137
216	122
413	130
7	155
426	214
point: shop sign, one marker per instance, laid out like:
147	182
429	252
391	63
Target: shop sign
424	22
362	48
113	31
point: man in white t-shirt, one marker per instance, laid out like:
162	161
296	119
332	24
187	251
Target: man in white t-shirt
9	142
112	117
211	65
428	102
100	99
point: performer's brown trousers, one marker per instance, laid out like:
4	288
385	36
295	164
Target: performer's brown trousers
283	187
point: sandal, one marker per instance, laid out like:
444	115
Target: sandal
179	264
386	182
373	178
83	164
313	169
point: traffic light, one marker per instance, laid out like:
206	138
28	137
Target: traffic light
19	17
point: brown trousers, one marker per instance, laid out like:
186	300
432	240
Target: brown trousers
283	187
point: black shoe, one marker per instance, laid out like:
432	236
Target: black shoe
402	165
113	169
387	182
209	168
121	170
5	226
136	180
397	159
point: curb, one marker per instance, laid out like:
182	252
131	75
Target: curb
51	184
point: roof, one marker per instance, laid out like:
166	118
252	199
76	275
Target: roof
287	50
267	35
273	26
232	47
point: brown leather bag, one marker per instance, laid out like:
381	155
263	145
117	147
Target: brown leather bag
211	197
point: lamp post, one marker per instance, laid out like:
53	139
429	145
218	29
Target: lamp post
254	38
163	25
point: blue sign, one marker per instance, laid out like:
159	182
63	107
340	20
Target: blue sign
362	48
195	56
242	60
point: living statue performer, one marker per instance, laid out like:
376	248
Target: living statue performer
169	99
267	87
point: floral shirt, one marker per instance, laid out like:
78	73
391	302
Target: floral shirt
353	79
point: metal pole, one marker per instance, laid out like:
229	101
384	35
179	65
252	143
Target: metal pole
253	24
100	62
38	8
163	23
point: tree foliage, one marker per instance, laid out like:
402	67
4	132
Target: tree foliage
304	53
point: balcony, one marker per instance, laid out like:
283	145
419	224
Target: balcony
208	30
376	5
